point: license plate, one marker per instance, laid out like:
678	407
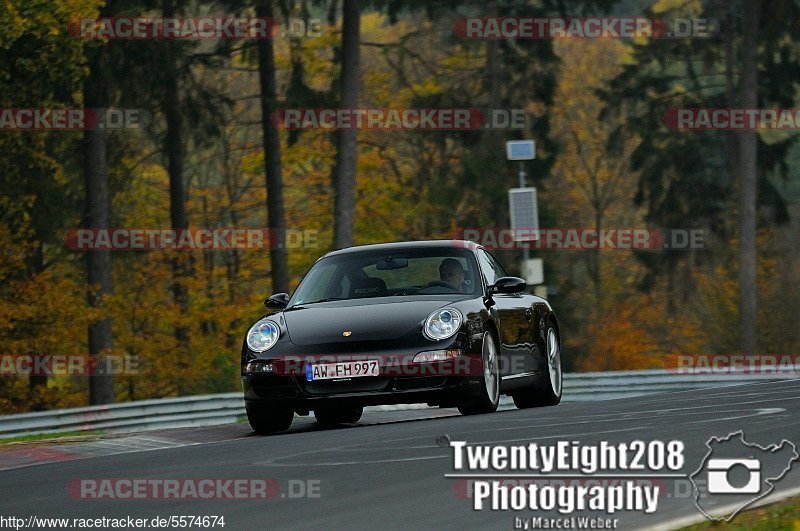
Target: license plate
342	369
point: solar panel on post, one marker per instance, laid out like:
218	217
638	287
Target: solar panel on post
524	212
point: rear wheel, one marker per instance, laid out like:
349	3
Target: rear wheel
269	420
333	416
546	391
489	396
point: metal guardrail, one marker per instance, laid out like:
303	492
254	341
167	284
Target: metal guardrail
209	410
620	384
188	411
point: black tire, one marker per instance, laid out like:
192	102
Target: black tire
489	395
548	387
334	416
270	420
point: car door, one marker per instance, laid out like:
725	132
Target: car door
513	314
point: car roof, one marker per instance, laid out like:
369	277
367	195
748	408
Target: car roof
394	246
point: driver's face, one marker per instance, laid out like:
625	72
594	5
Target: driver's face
455	277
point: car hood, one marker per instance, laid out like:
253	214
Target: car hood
376	319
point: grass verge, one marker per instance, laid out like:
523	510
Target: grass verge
780	516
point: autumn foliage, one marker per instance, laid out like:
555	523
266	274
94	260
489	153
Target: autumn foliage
618	310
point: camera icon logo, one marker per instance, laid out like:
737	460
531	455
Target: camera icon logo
735	474
718	476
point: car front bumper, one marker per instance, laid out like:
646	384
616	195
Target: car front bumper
400	379
291	391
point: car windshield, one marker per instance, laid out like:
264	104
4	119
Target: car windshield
373	274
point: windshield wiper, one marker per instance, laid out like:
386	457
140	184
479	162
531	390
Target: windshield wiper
329	299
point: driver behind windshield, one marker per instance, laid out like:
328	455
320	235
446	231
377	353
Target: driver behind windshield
452	274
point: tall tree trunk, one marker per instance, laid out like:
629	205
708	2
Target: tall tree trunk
37	266
98	262
331	16
174	151
494	70
595	271
276	218
748	159
727	17
344	178
231	259
173	143
493	142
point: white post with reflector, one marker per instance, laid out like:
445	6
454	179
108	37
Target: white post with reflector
524	209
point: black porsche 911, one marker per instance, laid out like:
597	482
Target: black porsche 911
436	322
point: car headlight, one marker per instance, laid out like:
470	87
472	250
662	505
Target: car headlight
443	323
262	336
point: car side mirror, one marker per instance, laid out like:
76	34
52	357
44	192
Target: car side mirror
507	285
277	301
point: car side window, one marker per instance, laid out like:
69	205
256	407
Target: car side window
344	287
321	280
487	267
498	269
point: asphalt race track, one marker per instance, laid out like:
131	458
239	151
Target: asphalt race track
388	471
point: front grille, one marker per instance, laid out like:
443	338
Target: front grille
405	384
275	392
356	385
273	386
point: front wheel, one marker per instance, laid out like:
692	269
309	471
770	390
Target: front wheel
489	396
270	420
546	391
333	416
